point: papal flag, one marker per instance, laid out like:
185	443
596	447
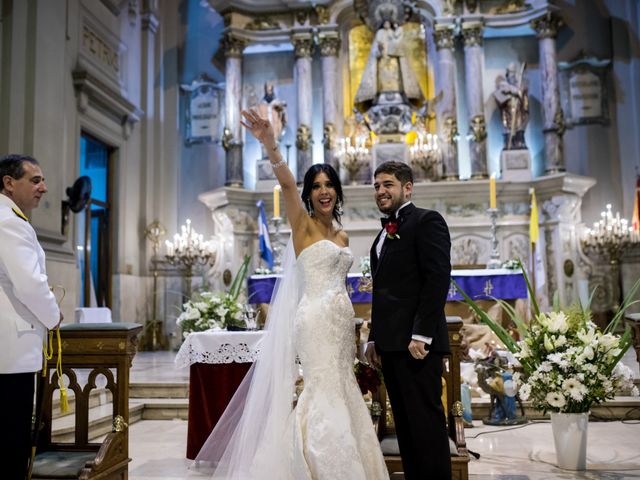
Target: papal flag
266	253
537	258
635	220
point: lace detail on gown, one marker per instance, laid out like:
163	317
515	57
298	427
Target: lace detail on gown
330	431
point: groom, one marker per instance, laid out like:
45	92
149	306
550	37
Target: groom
410	264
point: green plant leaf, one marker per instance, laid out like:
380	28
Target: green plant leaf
628	301
532	294
515	318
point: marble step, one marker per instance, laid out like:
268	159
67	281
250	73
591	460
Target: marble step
159	390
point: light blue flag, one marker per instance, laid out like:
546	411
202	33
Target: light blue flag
266	253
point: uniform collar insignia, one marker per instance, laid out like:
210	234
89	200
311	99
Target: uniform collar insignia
19	213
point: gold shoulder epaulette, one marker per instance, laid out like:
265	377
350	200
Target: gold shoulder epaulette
20	214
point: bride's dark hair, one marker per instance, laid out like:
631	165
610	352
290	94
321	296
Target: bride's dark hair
310	177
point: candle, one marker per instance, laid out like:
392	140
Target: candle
492	191
276	201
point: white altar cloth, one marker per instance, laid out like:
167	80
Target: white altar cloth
219	346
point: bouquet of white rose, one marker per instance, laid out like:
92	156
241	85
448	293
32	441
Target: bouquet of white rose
569	364
215	310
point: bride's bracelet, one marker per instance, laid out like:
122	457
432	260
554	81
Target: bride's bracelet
279	164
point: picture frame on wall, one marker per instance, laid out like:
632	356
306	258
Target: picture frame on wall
583	91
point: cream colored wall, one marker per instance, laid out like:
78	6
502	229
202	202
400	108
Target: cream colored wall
40	114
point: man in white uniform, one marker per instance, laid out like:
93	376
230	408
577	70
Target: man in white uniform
27	306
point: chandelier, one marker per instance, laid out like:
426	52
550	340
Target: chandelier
424	154
611	236
353	157
189	249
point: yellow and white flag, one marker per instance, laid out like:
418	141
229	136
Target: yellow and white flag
537	258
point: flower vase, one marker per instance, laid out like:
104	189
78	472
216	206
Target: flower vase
570	438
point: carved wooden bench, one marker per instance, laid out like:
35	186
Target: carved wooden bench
103	350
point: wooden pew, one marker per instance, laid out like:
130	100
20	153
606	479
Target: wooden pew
104	349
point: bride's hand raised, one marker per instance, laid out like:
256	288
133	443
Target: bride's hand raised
259	127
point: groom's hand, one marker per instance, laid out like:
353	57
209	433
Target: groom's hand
371	355
417	350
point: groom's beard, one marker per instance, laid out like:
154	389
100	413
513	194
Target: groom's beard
392	207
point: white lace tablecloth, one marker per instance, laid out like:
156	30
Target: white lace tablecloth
219	347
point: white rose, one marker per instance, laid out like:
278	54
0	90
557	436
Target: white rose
192	313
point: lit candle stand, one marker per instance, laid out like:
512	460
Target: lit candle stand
425	154
492	211
189	249
610	238
353	157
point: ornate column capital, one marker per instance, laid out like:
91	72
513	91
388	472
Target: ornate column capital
329	43
444	37
472	33
303	137
233	46
547	26
303	45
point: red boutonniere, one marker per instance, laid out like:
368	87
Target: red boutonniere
392	230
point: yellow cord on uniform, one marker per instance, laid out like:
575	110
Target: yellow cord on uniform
47	350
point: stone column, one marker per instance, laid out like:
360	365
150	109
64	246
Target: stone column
329	42
231	139
446	108
472	35
553	120
303	45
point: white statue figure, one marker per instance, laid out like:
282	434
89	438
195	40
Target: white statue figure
512	96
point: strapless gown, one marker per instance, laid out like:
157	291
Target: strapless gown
330	433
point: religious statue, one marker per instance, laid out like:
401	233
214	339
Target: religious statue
388	70
512	96
274	109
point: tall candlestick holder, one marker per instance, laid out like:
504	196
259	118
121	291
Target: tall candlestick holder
494	258
276	244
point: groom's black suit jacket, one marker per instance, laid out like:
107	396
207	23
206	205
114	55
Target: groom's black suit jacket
410	282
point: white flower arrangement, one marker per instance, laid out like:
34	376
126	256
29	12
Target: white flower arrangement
215	310
569	364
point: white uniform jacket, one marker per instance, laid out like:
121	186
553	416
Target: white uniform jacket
27	306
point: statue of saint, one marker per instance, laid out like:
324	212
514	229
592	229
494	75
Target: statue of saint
512	96
274	109
388	70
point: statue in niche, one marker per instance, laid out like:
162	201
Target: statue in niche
512	96
274	109
387	69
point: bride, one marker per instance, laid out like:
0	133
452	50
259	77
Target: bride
328	434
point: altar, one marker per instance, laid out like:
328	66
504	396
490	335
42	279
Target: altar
217	361
479	284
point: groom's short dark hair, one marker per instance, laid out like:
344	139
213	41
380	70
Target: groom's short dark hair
400	170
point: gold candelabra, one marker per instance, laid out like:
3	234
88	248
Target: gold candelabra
424	154
189	249
353	157
153	335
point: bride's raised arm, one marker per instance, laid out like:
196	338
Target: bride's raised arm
262	129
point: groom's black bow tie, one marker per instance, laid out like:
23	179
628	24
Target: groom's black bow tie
385	220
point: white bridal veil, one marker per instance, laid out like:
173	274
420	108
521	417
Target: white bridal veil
246	443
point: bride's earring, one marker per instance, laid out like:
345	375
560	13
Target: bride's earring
338	208
309	207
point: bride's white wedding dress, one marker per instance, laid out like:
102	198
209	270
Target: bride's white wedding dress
331	433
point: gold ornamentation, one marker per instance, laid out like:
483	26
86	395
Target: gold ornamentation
119	425
233	46
227	139
478	128
303	46
472	5
558	121
329	45
302	16
547	26
329	135
323	14
510	6
303	138
472	34
444	37
261	23
457	408
450	129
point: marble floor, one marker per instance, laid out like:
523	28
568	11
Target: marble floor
157	447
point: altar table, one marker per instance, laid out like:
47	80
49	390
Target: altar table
479	284
218	361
